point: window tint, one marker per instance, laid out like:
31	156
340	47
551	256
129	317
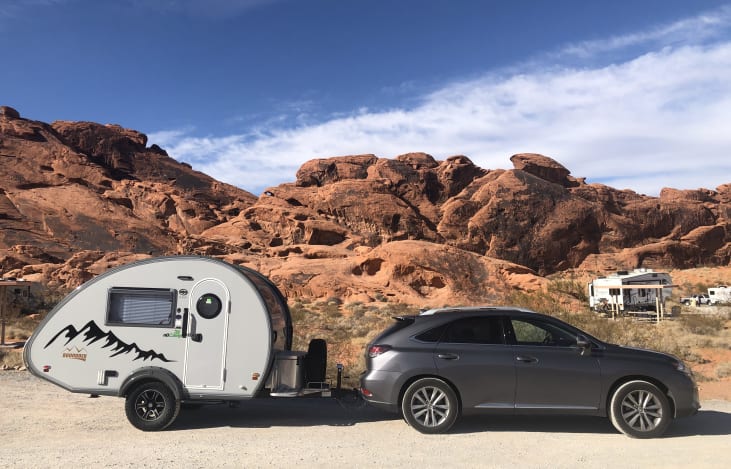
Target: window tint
432	335
141	306
474	331
530	332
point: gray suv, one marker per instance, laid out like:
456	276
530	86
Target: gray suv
444	362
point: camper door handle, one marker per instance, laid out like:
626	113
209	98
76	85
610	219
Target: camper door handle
196	337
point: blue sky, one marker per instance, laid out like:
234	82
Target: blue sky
633	94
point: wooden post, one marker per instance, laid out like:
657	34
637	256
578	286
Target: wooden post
657	308
2	314
4	284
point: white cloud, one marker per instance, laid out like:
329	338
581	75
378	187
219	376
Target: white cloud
690	30
659	119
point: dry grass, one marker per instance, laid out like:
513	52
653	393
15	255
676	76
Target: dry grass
11	358
347	328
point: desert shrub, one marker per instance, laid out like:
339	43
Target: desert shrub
298	312
723	370
702	324
545	302
11	358
569	287
334	301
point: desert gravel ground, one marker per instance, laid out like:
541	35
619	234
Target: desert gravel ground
42	425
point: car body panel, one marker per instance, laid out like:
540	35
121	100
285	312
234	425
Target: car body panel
566	375
559	378
484	375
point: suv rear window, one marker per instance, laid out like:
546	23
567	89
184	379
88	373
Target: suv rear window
477	330
401	323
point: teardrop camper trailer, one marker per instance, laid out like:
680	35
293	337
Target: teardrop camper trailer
175	329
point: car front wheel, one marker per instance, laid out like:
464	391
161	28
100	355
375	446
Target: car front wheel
640	410
430	405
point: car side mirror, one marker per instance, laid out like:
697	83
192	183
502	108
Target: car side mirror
583	343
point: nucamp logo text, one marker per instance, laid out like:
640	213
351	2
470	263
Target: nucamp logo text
75	354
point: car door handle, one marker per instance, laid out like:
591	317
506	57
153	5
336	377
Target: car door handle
448	356
526	359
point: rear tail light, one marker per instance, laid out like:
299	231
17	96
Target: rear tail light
376	350
365	392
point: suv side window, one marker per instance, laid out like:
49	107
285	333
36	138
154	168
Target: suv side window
432	335
477	330
532	332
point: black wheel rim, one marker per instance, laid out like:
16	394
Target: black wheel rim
150	404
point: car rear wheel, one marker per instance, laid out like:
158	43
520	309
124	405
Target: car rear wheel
151	406
430	405
640	410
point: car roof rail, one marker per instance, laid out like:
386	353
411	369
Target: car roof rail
457	309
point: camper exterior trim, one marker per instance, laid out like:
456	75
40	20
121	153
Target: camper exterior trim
637	290
719	294
171	329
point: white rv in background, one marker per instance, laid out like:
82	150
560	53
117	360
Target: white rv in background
719	294
170	330
637	290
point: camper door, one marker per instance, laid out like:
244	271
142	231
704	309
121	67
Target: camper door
205	347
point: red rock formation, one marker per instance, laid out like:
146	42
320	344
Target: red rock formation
79	197
82	186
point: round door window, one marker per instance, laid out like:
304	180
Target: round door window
209	306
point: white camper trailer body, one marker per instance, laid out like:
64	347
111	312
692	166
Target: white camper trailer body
719	294
202	328
629	291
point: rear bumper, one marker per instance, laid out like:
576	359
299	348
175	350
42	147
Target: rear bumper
378	388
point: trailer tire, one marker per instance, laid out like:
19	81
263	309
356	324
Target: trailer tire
151	406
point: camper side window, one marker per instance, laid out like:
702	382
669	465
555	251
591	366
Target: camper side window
141	307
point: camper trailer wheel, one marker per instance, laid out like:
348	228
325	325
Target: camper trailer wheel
151	406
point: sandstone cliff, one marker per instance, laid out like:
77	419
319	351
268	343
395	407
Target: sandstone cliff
77	198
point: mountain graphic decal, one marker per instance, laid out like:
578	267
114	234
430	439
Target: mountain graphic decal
93	333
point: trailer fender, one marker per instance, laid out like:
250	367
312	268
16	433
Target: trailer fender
152	373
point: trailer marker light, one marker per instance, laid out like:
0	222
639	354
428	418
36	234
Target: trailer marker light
46	368
255	376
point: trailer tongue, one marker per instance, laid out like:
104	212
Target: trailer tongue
172	330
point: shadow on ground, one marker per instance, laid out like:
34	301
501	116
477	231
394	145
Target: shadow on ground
282	412
705	423
348	411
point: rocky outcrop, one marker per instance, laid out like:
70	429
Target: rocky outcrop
70	186
78	197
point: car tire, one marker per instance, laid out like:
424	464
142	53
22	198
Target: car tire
640	410
151	406
430	405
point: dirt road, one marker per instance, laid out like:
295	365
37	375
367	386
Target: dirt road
42	425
